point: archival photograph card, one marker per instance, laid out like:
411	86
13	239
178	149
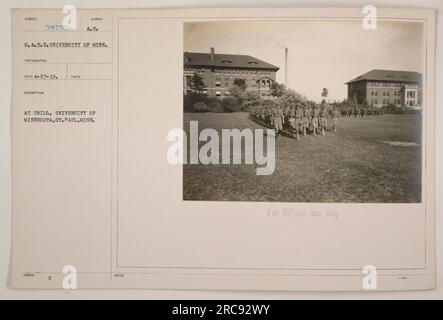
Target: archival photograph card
223	149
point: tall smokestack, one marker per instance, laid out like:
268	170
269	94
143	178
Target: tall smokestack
286	67
212	54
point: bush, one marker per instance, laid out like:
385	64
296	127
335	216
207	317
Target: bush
190	99
230	105
200	107
239	101
408	110
251	100
393	109
198	102
269	103
215	105
290	98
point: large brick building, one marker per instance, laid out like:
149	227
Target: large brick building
382	87
219	71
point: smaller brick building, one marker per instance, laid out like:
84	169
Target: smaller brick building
382	87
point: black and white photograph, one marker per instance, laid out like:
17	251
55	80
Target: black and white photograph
342	101
274	152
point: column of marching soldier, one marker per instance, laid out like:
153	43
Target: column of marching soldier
301	118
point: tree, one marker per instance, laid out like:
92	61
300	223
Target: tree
251	99
197	83
237	94
241	83
291	98
200	107
243	99
277	89
324	93
230	105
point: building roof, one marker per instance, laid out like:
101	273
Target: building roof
196	59
389	75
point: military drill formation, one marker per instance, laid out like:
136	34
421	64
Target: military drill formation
304	118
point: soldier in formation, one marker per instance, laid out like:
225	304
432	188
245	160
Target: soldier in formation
361	111
298	119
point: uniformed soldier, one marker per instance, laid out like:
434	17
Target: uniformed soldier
349	112
335	116
285	111
270	116
323	118
309	116
298	120
278	120
263	114
305	118
292	119
314	120
254	113
285	118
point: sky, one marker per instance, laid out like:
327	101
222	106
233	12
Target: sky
321	54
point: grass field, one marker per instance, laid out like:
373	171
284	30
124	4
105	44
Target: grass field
365	160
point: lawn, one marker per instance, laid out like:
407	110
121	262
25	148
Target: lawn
366	160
